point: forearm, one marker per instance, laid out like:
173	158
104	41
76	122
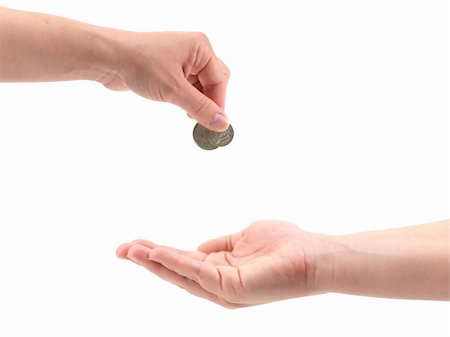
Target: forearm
411	262
41	47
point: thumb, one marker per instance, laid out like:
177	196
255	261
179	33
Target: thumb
200	107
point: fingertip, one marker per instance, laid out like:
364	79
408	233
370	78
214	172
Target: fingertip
122	250
219	122
138	253
203	248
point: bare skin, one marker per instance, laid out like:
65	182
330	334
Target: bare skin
274	260
269	260
175	67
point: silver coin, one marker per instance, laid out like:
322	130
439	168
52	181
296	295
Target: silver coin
221	138
210	140
201	138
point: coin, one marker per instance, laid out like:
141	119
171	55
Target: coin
201	139
210	140
221	138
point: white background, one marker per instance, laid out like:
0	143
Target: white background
341	121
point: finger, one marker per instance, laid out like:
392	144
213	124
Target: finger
214	79
145	243
199	87
122	250
216	92
224	243
199	271
200	256
139	254
200	107
193	80
170	276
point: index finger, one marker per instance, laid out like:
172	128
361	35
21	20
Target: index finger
214	79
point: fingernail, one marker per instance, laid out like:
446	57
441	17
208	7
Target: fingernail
219	122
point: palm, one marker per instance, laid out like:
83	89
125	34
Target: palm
260	264
263	263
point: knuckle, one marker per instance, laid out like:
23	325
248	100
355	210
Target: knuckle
202	42
226	72
201	37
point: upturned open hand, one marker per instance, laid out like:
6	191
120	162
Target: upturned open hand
267	261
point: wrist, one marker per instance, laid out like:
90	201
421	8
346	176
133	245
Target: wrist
322	262
101	60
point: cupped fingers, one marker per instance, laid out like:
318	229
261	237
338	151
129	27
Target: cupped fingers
198	270
140	255
185	283
122	250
